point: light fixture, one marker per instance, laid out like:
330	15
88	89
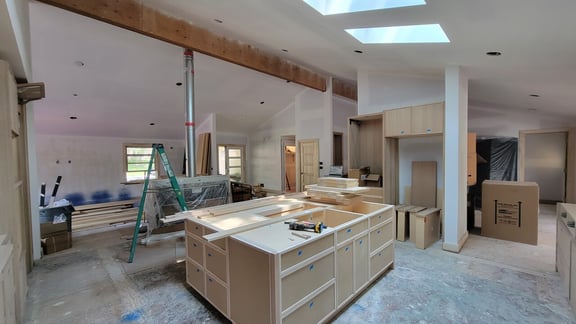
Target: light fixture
218	21
152	124
75	94
261	102
494	53
79	63
73	117
358	51
284	50
432	33
178	83
535	95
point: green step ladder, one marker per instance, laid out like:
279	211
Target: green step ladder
156	148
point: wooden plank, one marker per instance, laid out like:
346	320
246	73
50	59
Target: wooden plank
423	183
344	88
137	17
106	204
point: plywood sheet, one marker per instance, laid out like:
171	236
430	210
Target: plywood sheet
424	183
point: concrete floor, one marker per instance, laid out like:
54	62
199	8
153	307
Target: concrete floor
490	281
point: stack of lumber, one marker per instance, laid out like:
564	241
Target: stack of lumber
104	214
336	190
337	182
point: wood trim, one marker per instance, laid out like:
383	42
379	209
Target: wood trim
135	16
346	89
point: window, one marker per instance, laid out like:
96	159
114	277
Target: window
231	161
136	160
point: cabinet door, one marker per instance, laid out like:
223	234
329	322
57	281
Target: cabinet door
345	272
428	119
398	122
471	169
361	261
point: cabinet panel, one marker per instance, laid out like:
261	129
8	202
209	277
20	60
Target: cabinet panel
361	261
471	165
310	277
345	272
398	122
194	249
314	310
193	228
221	243
563	238
381	260
302	253
216	263
381	217
195	276
351	231
427	119
217	294
381	235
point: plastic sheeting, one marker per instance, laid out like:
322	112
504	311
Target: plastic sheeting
198	192
501	156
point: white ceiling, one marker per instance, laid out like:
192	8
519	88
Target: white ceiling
129	80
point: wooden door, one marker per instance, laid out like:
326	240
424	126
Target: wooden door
308	162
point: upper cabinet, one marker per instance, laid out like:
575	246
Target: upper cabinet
416	120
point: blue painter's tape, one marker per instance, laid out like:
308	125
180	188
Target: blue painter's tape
132	316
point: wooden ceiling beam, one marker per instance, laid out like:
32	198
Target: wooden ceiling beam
135	16
346	89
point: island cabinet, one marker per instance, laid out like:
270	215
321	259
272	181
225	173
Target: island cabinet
415	120
566	249
271	274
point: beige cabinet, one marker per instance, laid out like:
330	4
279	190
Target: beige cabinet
566	249
289	276
415	120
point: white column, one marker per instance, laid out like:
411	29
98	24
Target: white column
455	150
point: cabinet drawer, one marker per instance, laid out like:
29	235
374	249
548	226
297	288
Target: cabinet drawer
216	263
381	217
302	253
221	243
381	235
314	310
345	272
351	231
194	249
195	276
217	294
193	228
381	259
300	283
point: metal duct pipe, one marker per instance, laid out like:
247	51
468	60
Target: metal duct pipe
190	132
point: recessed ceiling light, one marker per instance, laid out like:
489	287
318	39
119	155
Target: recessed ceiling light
284	50
178	83
152	124
79	63
432	33
218	21
358	51
532	109
332	7
535	95
73	117
261	102
493	53
75	94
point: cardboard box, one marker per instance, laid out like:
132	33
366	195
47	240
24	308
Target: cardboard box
57	242
49	229
510	210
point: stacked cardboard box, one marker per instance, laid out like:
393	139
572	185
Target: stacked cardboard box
56	228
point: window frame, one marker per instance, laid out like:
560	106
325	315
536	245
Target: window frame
155	174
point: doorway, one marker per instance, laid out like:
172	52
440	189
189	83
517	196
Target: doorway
288	151
308	162
337	155
543	160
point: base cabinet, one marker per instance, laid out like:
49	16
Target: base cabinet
566	249
273	275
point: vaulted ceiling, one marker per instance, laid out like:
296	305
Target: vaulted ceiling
116	82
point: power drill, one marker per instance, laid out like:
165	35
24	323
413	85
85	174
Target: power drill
305	226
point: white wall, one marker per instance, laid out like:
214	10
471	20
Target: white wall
377	92
314	121
96	163
342	109
265	151
429	148
487	121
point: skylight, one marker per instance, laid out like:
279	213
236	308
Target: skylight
432	33
333	7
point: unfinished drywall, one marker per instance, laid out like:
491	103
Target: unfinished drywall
428	148
313	120
343	108
265	153
93	166
489	121
377	92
